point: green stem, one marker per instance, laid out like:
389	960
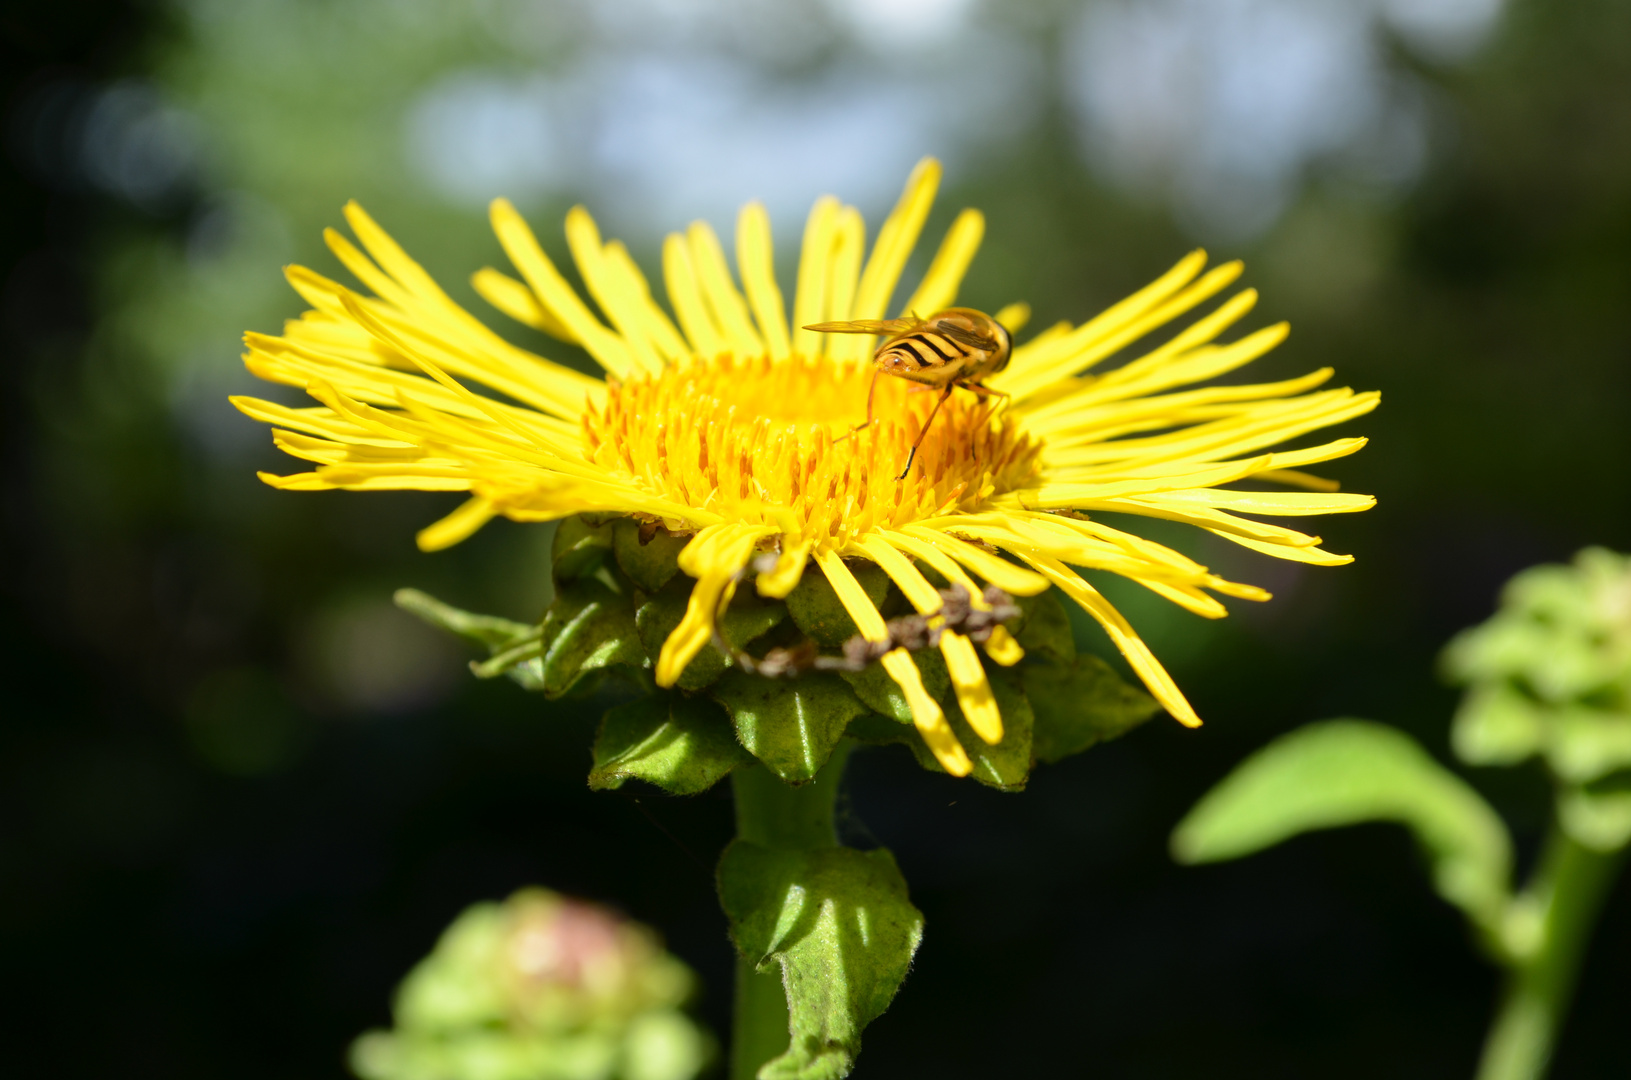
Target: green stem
1572	883
777	815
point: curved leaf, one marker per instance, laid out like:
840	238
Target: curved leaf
841	928
1343	772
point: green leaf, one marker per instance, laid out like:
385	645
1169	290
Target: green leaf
1081	704
819	613
1045	634
840	926
588	627
487	630
1343	772
791	725
580	548
522	662
515	649
881	694
746	618
875	729
650	563
682	744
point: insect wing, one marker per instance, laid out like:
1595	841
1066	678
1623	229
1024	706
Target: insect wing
968	338
867	326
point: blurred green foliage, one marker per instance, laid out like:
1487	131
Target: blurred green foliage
540	987
1547	676
1348	772
1550	676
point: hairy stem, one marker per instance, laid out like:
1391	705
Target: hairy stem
775	814
1572	883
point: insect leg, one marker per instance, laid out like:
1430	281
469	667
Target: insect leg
988	392
920	435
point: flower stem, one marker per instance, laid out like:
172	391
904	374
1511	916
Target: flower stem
775	814
1572	883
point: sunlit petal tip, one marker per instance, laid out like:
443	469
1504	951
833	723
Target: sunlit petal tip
775	584
1002	648
1014	317
460	525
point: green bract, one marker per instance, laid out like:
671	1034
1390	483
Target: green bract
619	594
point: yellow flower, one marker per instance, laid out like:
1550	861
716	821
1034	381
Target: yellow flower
732	426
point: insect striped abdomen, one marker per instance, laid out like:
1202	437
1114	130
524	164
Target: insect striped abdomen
920	354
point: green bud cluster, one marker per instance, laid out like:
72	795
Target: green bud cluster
619	593
540	987
1550	676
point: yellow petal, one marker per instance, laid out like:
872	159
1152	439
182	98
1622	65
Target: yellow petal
756	261
514	299
552	290
1138	655
1014	316
1002	647
896	239
815	270
685	293
618	296
998	571
784	578
1038	363
967	676
927	715
730	311
713	557
849	237
939	287
459	525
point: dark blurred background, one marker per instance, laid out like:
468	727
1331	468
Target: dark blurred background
242	794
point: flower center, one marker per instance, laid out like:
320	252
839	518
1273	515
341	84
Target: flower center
763	441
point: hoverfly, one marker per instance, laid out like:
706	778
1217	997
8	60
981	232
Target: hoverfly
951	348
